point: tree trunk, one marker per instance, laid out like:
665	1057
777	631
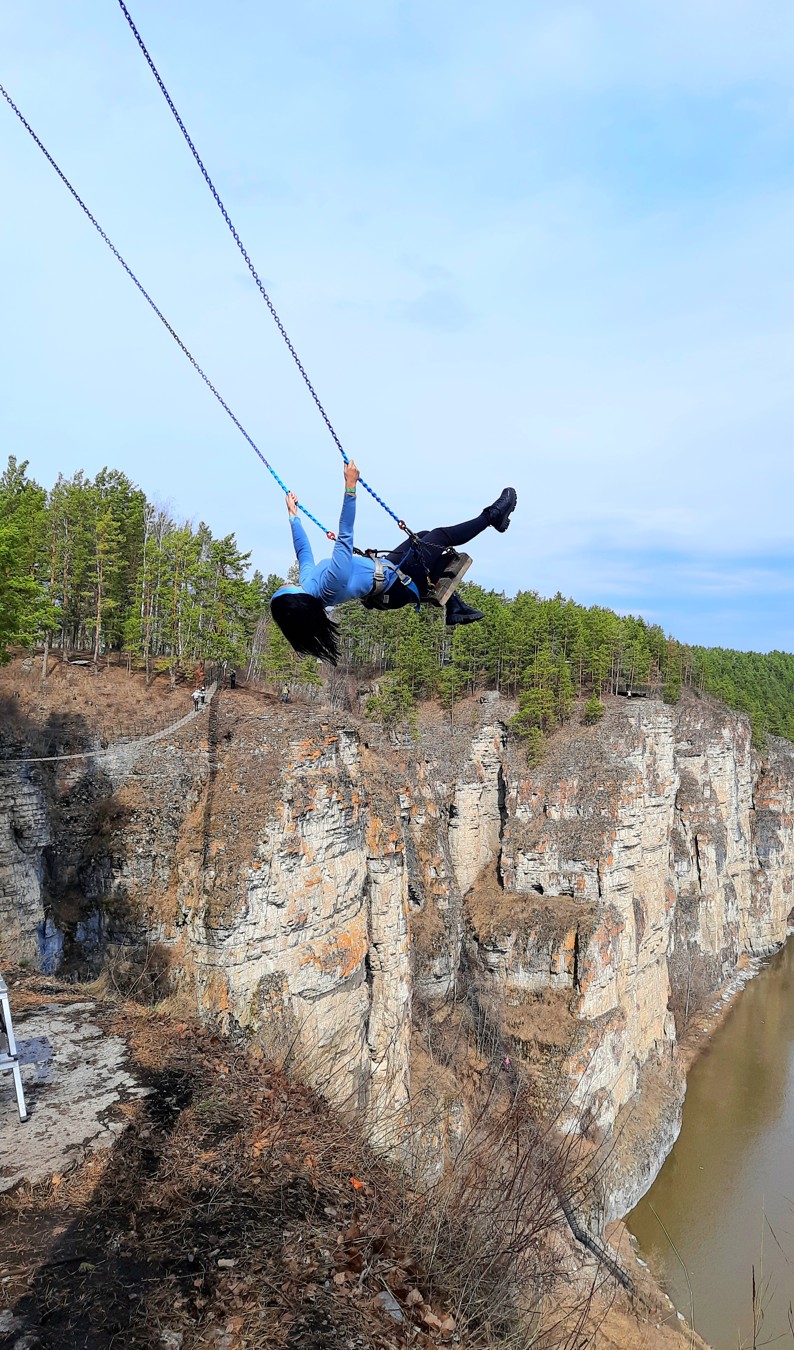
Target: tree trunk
98	634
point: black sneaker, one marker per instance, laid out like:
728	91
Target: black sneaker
502	509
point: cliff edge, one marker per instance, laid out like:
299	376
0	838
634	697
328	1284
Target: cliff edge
405	917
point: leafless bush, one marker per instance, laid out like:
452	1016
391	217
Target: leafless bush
139	971
692	983
340	688
492	1226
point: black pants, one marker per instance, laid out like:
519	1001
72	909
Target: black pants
434	544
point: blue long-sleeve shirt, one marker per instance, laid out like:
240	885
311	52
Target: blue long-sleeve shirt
341	577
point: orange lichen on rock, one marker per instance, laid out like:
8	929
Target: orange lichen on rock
569	945
214	994
603	948
381	840
341	954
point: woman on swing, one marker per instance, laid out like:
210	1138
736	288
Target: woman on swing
300	611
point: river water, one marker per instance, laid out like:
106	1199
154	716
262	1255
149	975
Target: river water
726	1193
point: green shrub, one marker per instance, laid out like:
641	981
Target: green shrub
593	710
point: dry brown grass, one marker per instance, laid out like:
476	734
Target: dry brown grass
81	706
235	1203
495	912
238	1210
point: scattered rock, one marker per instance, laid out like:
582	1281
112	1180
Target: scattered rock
171	1340
388	1304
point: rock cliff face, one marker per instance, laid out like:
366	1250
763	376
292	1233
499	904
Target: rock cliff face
313	883
24	835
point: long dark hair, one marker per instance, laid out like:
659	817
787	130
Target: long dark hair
306	626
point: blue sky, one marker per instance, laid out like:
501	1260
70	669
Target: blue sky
540	243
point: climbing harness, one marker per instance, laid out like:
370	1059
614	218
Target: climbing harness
387	581
384	591
238	241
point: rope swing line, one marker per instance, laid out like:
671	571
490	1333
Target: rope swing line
238	241
177	339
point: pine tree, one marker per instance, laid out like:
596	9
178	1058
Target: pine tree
23	601
94	565
593	710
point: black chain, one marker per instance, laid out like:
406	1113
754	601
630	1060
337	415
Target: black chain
238	241
177	339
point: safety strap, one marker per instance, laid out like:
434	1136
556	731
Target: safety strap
383	578
386	575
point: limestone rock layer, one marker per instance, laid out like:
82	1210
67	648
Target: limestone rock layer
312	882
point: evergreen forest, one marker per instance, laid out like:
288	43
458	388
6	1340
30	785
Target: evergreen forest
93	567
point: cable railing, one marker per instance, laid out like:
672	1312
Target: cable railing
64	735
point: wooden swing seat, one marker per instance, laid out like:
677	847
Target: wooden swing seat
456	565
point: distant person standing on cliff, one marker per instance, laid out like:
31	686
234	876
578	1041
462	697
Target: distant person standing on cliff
196	699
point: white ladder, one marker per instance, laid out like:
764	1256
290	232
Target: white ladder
9	1062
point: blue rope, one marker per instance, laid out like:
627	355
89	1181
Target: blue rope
177	339
238	241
